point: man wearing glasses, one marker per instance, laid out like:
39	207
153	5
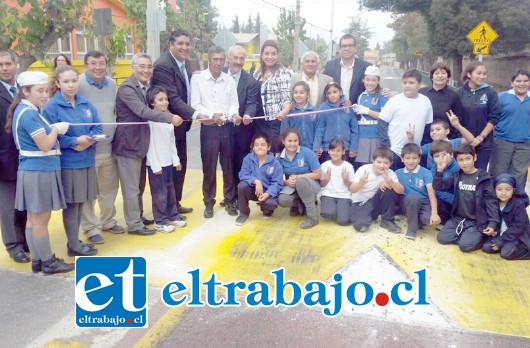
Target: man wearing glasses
348	70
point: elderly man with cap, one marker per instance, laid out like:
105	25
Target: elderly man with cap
317	82
12	222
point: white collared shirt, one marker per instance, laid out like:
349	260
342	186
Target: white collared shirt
346	75
235	76
313	87
210	96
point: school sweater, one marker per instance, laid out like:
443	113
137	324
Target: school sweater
270	173
104	100
339	124
516	219
304	124
58	109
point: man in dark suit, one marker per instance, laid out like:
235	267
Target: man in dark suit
12	222
173	72
347	70
248	94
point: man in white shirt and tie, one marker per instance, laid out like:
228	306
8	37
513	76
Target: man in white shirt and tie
214	94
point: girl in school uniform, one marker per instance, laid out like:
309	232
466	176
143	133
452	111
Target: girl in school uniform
161	158
340	123
261	178
39	188
304	124
512	238
369	104
78	156
302	170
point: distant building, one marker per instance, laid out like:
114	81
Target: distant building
372	56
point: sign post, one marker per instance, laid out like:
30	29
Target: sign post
482	36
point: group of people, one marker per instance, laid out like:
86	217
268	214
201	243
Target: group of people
281	139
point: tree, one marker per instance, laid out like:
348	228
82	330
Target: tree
116	44
284	31
235	25
32	33
257	23
320	46
411	37
359	29
448	22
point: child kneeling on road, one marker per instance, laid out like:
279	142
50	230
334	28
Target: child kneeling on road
513	239
475	208
337	176
374	192
261	178
419	199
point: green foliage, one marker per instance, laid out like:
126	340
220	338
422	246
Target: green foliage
37	30
116	44
136	9
320	46
235	25
284	31
359	29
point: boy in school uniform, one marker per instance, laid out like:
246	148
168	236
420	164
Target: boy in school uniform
408	109
374	192
474	213
419	199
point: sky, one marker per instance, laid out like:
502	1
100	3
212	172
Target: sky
316	12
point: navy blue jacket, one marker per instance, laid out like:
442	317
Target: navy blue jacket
486	204
516	219
270	173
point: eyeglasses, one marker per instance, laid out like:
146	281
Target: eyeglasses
347	46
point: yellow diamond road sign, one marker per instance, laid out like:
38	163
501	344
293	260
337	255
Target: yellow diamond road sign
482	34
481	49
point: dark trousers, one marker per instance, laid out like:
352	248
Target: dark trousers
509	251
483	157
246	193
242	139
337	209
12	222
163	195
418	211
179	175
383	203
444	210
142	186
397	163
216	144
463	232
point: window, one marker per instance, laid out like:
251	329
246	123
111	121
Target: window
62	45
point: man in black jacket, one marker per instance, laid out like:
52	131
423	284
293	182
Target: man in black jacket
173	72
348	71
12	222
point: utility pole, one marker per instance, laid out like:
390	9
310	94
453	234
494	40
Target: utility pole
296	36
331	30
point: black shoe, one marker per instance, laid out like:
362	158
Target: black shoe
56	265
180	218
294	211
223	203
36	266
144	231
83	250
362	228
208	212
184	210
390	226
231	209
147	221
20	257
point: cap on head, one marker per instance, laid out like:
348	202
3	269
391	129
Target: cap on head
373	70
30	78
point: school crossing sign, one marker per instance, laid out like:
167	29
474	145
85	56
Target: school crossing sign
482	36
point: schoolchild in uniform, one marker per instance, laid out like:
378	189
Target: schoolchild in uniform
513	237
419	199
475	208
368	107
340	123
302	170
481	110
374	192
39	188
161	158
78	156
304	124
337	176
441	150
261	178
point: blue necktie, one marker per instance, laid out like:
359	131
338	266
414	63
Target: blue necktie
13	91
